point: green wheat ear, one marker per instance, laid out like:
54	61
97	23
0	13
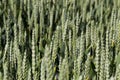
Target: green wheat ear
43	68
97	59
5	65
33	54
25	66
29	74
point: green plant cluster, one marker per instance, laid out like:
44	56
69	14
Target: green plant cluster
59	39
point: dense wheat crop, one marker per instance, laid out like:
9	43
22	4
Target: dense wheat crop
59	39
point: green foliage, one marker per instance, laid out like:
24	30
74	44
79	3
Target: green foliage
59	39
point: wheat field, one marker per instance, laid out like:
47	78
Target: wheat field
59	39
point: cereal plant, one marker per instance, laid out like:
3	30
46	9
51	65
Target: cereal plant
59	39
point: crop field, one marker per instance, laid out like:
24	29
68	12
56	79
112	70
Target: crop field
59	39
